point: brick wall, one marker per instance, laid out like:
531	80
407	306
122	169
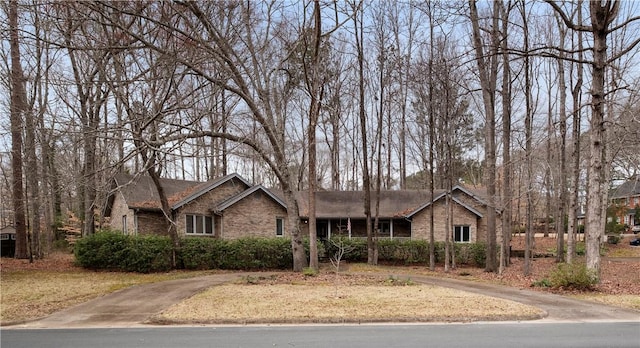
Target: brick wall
461	216
118	210
205	203
152	223
253	216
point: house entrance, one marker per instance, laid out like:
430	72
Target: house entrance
322	229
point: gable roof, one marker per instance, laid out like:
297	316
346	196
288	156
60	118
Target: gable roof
475	196
240	196
629	188
139	192
203	188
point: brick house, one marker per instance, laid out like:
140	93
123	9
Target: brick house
227	207
627	196
403	214
230	207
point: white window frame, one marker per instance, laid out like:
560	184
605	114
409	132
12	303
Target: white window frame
279	226
124	224
461	228
205	231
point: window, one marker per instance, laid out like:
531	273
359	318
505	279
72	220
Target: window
384	228
199	224
124	224
279	227
462	234
4	236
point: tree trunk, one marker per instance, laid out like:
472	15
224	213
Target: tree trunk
488	72
18	107
562	185
601	17
316	98
528	125
366	182
506	144
576	94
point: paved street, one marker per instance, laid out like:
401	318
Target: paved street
476	335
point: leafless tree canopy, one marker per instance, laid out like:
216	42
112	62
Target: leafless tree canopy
527	99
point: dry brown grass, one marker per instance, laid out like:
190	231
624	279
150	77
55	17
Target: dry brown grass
320	302
32	290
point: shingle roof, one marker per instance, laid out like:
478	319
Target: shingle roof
140	193
629	188
393	204
203	188
335	204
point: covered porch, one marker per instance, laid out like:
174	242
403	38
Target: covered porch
389	228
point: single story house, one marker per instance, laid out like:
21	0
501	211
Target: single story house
227	207
231	207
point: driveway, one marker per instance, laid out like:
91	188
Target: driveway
131	307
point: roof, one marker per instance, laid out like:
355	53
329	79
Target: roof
206	187
8	230
629	188
474	195
337	204
140	193
237	198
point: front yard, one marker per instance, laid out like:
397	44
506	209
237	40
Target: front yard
29	291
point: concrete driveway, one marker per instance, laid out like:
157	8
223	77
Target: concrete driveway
131	307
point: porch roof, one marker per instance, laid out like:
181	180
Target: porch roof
349	204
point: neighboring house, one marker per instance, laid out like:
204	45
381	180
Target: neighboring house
627	196
227	207
230	207
7	241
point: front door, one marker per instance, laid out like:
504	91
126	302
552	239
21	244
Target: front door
322	229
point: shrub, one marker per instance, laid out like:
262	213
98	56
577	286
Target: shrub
102	250
357	249
410	251
115	251
201	253
245	253
572	276
581	249
146	254
613	227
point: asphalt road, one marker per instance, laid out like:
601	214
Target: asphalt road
476	335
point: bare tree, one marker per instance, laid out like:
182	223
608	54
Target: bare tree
603	14
315	87
18	109
506	142
573	184
488	70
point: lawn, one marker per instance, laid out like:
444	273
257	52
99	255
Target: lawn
32	290
288	298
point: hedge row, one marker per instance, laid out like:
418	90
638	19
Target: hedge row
407	251
116	251
247	253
